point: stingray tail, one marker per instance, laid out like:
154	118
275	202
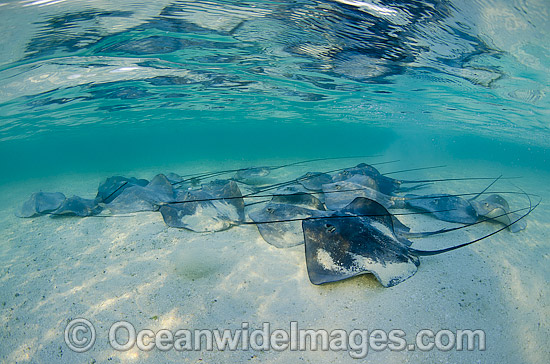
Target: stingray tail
203	175
255	203
445	250
455	179
419	197
414	169
326	159
486	188
416	187
411	188
98	201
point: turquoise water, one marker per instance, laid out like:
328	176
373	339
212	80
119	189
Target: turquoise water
92	89
91	86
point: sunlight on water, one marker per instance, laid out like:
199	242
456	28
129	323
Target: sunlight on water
430	90
143	75
479	66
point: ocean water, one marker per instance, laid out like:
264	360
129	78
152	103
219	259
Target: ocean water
87	85
91	89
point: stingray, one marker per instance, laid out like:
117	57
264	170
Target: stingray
289	202
143	198
496	208
314	181
340	247
182	183
275	229
377	212
298	196
451	208
78	206
217	206
374	179
388	185
444	207
259	176
340	194
41	203
254	175
114	186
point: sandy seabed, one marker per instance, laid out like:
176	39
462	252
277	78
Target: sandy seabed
137	269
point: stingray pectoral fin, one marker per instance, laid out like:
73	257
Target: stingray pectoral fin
394	273
341	248
201	217
519	225
322	268
424	234
41	203
281	224
77	206
172	216
504	217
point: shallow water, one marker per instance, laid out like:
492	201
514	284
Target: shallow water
90	89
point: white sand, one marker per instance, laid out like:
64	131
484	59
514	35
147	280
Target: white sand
139	270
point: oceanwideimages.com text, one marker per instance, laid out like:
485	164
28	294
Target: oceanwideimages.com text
80	336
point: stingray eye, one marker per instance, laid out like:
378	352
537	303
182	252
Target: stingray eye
330	228
270	210
338	187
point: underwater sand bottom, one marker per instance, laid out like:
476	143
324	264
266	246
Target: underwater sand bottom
139	270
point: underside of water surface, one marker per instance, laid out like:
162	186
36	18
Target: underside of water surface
91	84
440	89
